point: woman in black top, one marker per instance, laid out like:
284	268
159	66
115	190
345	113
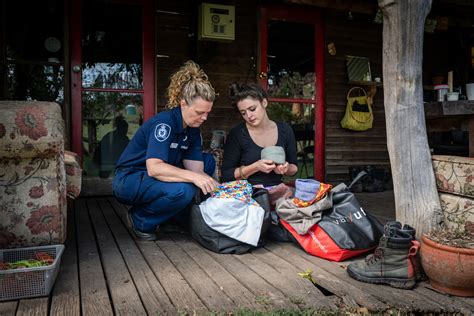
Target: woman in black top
245	141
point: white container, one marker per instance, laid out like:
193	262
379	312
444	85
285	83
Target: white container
452	96
440	91
470	91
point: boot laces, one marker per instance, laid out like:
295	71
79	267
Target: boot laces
376	256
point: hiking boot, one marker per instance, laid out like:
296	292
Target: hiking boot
390	264
414	255
139	234
415	259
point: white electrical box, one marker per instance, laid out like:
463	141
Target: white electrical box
216	22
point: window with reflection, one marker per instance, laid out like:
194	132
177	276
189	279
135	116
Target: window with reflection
110	119
111	60
112	75
35	82
112	46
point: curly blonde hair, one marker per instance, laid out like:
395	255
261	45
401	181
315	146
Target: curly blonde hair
188	83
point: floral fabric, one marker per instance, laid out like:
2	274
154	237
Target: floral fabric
30	131
457	210
73	174
32	174
454	174
239	190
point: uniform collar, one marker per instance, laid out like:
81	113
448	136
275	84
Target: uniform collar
178	119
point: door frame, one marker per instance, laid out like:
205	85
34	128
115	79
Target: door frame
148	59
310	16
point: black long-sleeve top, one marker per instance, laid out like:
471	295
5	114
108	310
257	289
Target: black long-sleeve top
240	150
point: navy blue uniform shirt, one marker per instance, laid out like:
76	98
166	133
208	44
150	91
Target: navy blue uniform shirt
163	137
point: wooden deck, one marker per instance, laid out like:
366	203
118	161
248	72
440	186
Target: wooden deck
104	271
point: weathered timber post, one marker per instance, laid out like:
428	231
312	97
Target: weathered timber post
416	198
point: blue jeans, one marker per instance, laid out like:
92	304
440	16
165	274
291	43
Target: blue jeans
154	201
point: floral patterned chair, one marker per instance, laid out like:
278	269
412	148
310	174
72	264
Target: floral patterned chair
455	183
36	174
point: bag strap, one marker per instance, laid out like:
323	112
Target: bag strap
355	88
359	176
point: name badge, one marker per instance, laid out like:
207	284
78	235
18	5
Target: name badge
174	145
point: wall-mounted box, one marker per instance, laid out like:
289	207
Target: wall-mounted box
216	22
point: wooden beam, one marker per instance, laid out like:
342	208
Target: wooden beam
364	7
3	39
416	198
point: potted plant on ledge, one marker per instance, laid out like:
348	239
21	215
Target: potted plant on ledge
447	256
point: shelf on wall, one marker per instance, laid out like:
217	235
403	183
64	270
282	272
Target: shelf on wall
366	83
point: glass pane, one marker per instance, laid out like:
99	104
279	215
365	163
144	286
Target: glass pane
291	113
112	45
117	76
110	121
291	60
35	82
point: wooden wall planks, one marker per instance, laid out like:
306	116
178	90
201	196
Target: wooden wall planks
236	61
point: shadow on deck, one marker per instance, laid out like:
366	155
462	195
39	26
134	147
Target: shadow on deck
104	271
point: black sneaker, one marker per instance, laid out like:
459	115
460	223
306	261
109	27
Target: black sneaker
139	234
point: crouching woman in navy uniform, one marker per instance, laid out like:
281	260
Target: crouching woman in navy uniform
160	170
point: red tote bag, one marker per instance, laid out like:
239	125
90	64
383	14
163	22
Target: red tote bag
317	243
345	230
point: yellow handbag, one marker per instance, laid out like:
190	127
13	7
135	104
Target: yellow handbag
358	116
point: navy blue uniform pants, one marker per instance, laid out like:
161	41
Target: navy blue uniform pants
154	201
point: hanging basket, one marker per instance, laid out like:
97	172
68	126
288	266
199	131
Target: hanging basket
358	116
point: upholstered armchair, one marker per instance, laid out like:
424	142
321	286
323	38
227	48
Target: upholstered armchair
36	175
455	182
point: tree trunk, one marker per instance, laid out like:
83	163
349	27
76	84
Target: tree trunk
416	198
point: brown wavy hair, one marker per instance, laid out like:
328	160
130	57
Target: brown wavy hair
188	83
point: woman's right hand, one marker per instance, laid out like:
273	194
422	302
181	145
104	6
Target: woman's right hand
265	165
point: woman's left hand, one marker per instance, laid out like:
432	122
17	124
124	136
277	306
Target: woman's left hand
282	169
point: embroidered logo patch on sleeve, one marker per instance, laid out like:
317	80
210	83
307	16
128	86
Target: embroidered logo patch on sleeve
162	132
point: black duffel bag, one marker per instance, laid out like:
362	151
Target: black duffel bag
220	243
344	231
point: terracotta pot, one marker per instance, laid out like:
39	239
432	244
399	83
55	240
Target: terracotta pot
450	270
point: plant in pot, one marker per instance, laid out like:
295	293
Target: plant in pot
447	257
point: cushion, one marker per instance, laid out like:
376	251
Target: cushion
73	174
457	210
454	174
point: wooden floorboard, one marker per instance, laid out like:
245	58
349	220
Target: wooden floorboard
8	308
151	292
94	294
206	289
265	293
241	296
104	271
352	296
298	292
122	290
65	298
33	306
314	297
177	288
403	300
